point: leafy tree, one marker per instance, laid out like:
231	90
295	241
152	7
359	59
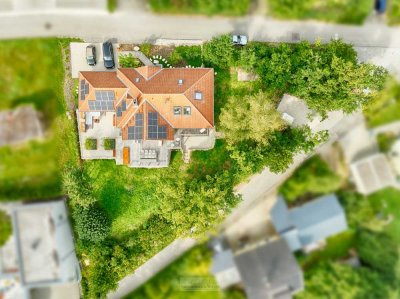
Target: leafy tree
76	186
91	223
379	251
360	211
340	85
193	208
218	52
127	60
252	117
337	281
5	227
314	176
278	155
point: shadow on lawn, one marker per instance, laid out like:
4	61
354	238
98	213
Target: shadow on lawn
45	101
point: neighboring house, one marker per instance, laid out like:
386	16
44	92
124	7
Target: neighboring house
19	125
306	227
267	270
39	261
296	113
373	173
149	111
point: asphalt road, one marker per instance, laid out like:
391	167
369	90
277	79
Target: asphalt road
141	26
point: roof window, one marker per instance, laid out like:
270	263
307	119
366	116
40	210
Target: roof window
198	95
177	110
137	80
187	110
180	81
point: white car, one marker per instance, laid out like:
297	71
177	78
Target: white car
239	40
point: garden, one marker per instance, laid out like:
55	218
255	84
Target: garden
123	216
147	209
34	75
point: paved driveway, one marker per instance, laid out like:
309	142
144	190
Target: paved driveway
78	58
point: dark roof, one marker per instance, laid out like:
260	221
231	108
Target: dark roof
270	271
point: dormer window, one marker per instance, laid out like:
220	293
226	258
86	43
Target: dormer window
198	95
177	110
137	80
180	81
187	110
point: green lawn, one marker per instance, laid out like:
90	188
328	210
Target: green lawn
386	107
131	197
337	246
388	199
33	74
393	13
204	7
187	278
337	11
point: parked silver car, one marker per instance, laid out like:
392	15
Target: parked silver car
240	40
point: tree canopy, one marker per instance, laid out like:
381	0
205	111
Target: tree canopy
313	177
338	281
252	117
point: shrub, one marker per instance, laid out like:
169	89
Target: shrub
219	52
385	141
112	5
91	223
378	251
127	60
145	48
109	144
314	176
186	55
76	186
91	144
5	227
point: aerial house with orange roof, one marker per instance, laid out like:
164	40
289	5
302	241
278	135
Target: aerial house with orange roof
146	112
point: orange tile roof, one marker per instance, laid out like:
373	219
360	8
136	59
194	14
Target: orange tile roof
161	89
148	71
103	79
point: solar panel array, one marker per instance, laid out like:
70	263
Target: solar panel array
121	108
84	87
154	131
136	132
104	101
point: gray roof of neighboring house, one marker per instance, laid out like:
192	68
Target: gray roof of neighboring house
224	269
270	271
309	223
43	246
372	173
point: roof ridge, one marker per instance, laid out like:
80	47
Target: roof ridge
159	113
198	80
184	94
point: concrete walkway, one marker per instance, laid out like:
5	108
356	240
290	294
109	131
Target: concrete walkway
152	267
393	127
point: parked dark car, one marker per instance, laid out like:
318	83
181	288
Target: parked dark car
91	55
108	55
380	6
